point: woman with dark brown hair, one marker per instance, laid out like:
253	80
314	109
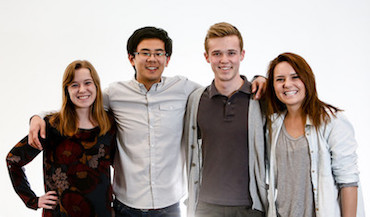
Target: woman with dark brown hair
312	150
77	152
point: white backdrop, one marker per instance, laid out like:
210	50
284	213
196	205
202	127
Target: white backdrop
39	38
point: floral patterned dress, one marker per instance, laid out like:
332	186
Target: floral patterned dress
77	168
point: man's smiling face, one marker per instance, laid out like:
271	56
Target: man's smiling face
149	69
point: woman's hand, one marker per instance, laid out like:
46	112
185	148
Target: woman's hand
48	200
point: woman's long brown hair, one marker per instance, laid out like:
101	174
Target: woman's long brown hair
66	120
312	106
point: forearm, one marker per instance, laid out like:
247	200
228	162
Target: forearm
348	198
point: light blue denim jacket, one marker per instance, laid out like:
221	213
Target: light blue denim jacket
333	161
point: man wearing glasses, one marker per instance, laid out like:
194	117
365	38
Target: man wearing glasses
149	110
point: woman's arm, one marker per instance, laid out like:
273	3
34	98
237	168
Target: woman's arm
348	197
20	155
343	148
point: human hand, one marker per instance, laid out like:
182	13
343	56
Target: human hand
259	86
36	125
48	200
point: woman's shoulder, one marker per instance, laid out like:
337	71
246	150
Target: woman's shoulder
337	121
112	120
277	117
48	121
335	116
110	116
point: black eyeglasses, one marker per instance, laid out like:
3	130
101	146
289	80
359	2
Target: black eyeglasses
157	55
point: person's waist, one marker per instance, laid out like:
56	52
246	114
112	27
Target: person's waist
119	203
162	198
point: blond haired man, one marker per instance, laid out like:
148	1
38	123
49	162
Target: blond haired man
224	136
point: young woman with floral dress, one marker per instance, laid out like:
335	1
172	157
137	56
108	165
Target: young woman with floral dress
77	152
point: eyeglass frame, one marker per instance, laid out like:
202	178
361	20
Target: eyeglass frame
148	54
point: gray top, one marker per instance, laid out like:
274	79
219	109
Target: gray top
223	126
333	160
294	187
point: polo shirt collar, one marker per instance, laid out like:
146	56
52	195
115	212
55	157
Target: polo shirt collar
245	88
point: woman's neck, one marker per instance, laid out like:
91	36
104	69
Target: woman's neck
84	119
294	123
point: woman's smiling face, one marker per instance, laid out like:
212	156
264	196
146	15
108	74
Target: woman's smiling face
288	86
82	90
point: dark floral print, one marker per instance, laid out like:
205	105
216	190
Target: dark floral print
77	168
76	204
68	151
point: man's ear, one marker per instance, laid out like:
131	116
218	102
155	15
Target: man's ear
168	60
207	57
242	55
131	59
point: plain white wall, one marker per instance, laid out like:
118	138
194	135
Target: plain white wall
38	39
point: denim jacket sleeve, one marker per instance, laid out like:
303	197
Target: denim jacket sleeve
342	147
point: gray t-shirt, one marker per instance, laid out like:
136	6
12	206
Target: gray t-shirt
294	187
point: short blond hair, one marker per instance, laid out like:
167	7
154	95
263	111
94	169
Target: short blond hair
220	30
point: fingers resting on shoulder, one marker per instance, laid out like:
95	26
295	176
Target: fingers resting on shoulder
37	125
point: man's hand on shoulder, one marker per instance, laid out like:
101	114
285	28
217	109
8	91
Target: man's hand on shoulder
259	85
37	124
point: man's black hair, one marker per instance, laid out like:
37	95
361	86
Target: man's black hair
149	32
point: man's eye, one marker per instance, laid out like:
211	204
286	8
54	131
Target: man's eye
145	54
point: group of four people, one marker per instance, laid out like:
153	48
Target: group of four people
168	137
